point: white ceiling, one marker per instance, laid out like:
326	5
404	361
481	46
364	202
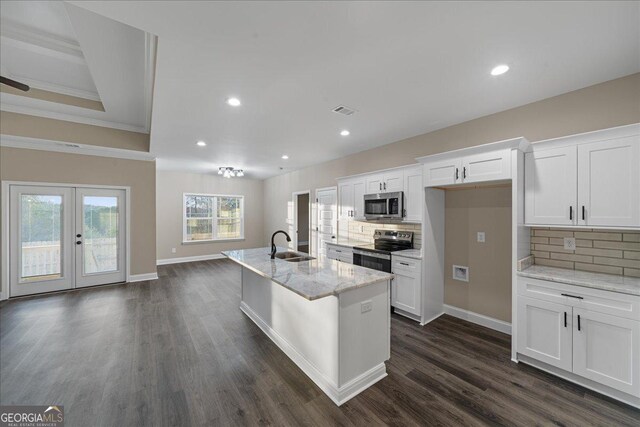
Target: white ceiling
61	48
407	67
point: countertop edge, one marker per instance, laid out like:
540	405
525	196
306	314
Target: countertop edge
578	282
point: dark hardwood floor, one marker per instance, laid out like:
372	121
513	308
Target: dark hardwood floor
178	351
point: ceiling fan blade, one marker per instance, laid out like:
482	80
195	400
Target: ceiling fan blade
13	83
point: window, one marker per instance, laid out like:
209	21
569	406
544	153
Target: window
209	217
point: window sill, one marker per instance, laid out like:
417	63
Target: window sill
195	242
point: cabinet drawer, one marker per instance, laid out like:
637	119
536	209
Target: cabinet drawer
607	302
409	266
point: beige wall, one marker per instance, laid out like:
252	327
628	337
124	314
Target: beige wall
170	189
58	130
44	166
605	105
466	213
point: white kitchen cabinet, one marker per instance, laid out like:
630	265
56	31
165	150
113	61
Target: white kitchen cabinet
606	349
491	166
551	183
406	287
609	183
346	198
340	253
385	182
413	194
359	191
588	180
545	332
445	172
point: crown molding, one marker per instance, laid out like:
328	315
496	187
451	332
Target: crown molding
13	141
56	88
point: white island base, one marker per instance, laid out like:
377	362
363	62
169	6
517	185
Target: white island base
340	345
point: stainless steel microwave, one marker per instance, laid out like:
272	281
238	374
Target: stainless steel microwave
384	205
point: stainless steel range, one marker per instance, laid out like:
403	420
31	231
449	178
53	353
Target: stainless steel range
378	255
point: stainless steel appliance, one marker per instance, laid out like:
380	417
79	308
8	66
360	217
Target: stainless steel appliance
384	205
378	255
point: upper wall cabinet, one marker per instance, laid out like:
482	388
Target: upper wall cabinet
351	197
585	180
385	182
413	193
481	167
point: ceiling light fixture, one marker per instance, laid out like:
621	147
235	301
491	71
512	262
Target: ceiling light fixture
345	133
234	102
285	157
499	69
228	172
201	144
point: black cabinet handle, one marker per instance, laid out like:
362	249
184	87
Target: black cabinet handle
385	185
565	319
381	186
78	235
571	212
404	263
578	322
571	296
78	242
464	172
583	214
457	174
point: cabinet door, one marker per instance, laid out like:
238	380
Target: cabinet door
551	185
345	207
609	182
543	333
359	187
405	292
446	172
606	349
413	194
375	183
487	166
393	181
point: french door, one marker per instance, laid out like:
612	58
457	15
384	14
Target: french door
65	237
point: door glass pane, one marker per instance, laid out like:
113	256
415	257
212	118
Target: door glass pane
40	237
100	234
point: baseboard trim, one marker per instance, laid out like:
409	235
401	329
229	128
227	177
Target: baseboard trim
189	259
2	296
142	277
479	319
338	395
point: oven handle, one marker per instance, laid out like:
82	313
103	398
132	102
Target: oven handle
372	254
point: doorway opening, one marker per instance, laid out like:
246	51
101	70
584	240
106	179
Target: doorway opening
303	222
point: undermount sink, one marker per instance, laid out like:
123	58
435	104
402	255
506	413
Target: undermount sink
293	256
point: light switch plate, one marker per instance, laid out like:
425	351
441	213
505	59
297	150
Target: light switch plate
481	236
366	306
570	243
173	250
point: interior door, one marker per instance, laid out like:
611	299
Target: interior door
40	239
100	236
327	218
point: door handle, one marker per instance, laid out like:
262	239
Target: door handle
404	263
571	213
457	174
384	185
571	296
381	186
464	172
565	319
578	322
583	213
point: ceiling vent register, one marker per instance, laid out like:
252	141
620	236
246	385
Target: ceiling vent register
344	110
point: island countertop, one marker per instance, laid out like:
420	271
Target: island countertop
313	279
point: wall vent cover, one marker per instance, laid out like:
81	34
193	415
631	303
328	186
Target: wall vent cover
343	109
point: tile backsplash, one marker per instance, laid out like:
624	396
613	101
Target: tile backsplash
600	251
363	231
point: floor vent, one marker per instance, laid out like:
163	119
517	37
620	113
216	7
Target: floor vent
342	109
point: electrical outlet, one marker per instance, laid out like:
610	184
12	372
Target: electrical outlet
570	243
366	306
173	250
481	236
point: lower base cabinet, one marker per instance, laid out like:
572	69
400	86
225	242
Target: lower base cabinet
340	253
591	333
406	287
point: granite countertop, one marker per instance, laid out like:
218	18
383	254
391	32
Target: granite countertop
607	282
349	243
317	278
409	253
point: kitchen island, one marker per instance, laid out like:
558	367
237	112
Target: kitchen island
331	318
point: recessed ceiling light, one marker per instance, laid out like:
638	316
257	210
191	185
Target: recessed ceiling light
201	144
234	102
285	157
500	69
345	133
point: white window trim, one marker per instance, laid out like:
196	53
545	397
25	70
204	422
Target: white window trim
214	221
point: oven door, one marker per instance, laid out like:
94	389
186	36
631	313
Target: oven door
373	260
